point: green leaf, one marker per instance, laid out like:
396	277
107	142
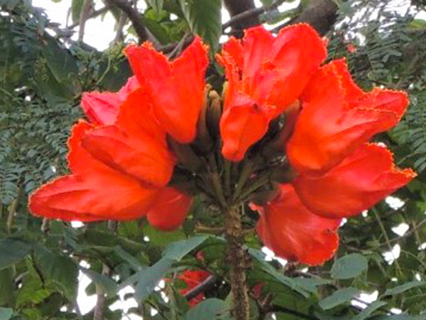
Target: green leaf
108	285
131	260
12	251
210	309
205	19
150	277
6	313
267	3
156	5
401	317
369	310
177	250
298	286
76	7
158	31
61	270
162	238
349	266
404	287
338	297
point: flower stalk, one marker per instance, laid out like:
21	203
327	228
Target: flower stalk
237	259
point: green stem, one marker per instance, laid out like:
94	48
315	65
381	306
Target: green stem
244	176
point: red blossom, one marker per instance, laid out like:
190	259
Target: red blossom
337	117
293	232
356	184
266	74
176	88
122	167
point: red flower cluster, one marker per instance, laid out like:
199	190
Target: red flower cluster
121	163
339	173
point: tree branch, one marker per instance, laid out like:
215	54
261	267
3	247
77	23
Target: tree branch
84	15
236	7
94	14
320	14
250	14
237	259
134	17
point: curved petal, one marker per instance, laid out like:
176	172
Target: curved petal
170	209
298	52
294	233
176	88
131	85
98	195
241	126
79	160
100	108
144	157
337	118
273	71
135	145
93	192
136	117
359	182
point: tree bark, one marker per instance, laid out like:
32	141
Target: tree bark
237	260
320	14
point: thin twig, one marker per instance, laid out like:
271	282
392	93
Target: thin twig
202	287
84	14
120	25
94	14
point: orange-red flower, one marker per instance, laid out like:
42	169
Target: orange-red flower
120	165
337	117
356	184
176	88
293	232
192	279
265	75
93	191
135	144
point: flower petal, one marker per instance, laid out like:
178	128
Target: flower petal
93	192
135	145
144	157
356	184
131	85
176	87
294	233
298	52
101	108
79	160
240	127
169	210
337	118
98	195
